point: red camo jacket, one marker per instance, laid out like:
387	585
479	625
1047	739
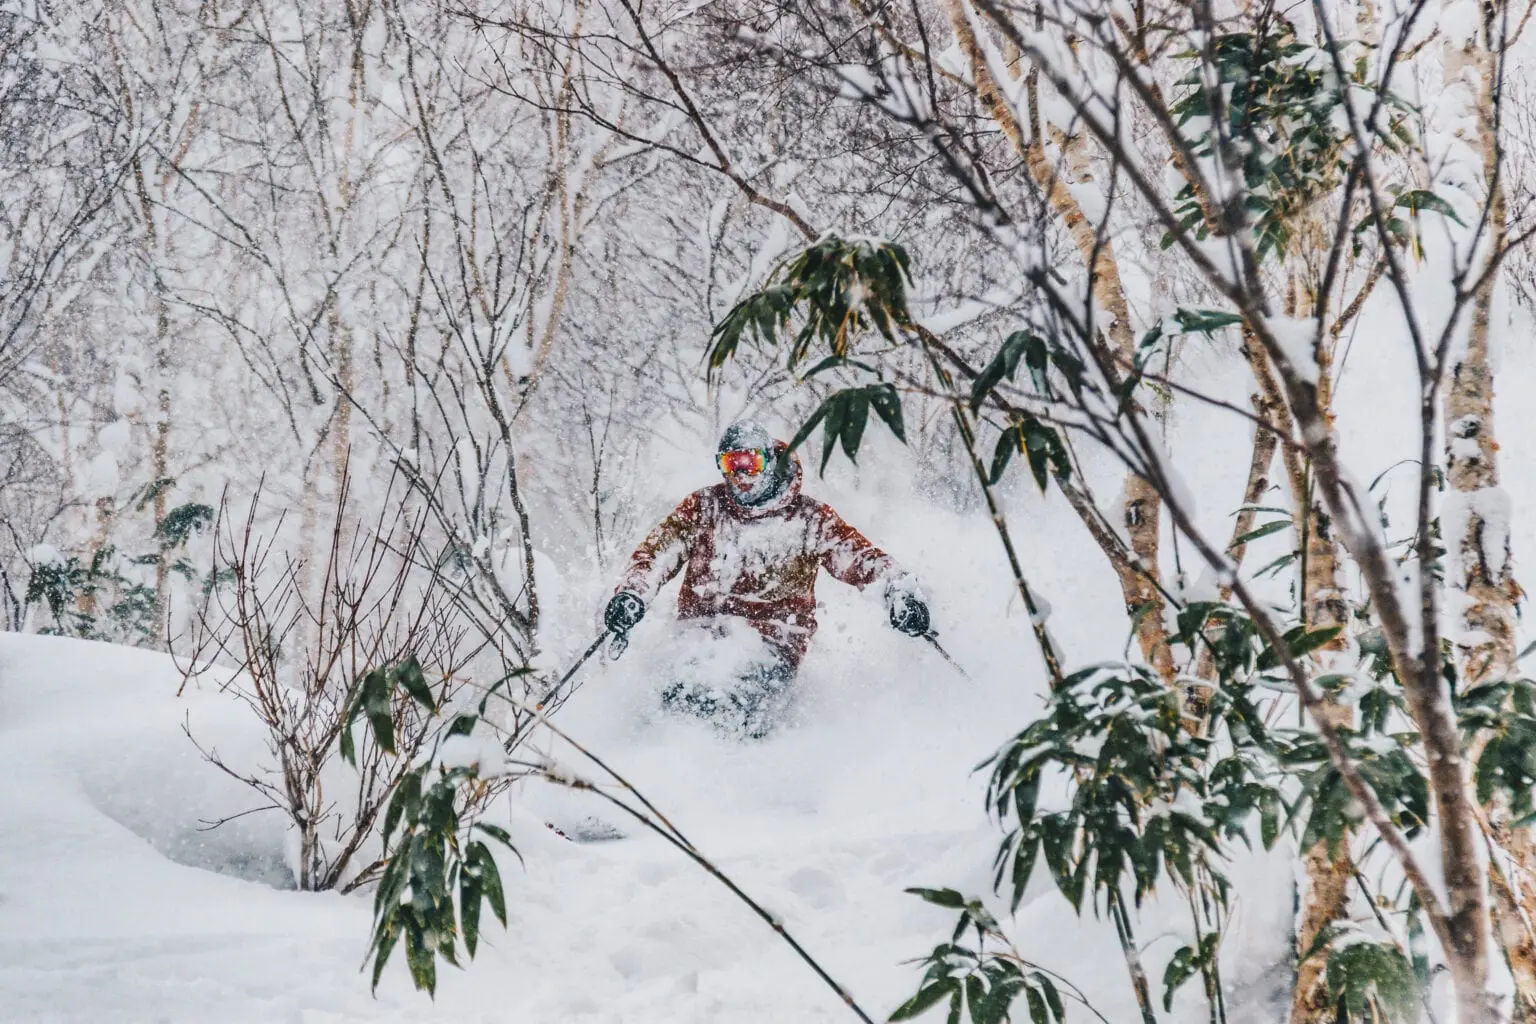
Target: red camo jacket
756	563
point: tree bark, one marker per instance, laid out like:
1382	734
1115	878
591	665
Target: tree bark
1481	571
160	454
1325	898
1142	510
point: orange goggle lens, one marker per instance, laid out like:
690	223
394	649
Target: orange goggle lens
748	460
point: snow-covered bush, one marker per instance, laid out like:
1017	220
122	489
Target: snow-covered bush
371	630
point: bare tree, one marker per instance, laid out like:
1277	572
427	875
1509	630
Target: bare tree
301	664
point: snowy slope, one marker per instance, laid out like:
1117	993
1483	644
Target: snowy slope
113	906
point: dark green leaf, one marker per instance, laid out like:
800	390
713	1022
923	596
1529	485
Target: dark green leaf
1372	980
495	832
940	897
833	362
1261	508
1008	442
389	934
153	490
887	405
1045	450
469	911
1004	364
181	522
1278	564
1180	969
490	878
1052	997
1420	199
375	704
406	803
1038	1011
832	426
1023	866
1299	641
414	682
1205	321
1263	531
925	999
422	962
853	425
809	426
975	995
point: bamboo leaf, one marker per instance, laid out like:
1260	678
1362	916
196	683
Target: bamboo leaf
1417	200
809	426
1047	454
1204	321
925	999
490	879
411	678
375	704
940	897
832	427
181	522
495	832
853	424
1008	442
1023	866
1262	531
1277	564
469	911
1262	508
1037	1007
887	405
388	935
422	963
1052	996
406	803
1298	641
834	362
1004	363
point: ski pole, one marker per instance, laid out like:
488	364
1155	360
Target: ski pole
933	638
591	649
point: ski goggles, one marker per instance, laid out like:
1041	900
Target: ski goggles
750	461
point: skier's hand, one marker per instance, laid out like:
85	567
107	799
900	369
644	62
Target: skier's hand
624	610
909	614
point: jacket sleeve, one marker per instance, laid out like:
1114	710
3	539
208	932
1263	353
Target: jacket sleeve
663	552
850	557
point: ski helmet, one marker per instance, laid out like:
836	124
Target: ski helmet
749	435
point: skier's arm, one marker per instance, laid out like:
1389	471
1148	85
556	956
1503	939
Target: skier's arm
850	556
663	552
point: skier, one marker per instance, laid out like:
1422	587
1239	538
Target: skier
752	547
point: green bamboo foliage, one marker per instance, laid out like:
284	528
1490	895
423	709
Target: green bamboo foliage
438	867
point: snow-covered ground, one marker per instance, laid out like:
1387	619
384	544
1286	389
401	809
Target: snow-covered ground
114	906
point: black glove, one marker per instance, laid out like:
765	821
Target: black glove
910	615
624	610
